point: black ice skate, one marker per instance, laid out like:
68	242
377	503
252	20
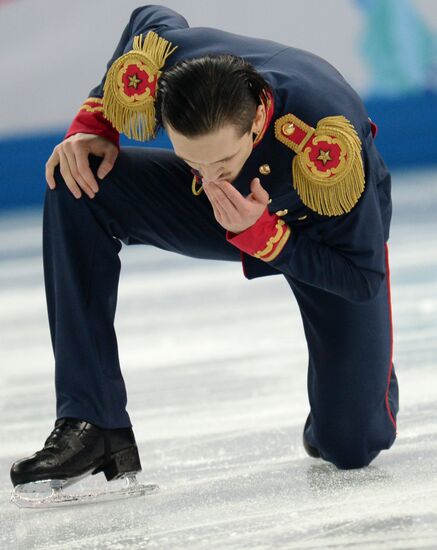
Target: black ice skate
310	450
76	449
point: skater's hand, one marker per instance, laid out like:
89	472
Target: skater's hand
232	210
72	155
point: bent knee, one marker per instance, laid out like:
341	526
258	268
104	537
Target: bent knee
348	457
349	446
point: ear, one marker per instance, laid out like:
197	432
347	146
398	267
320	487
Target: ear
258	121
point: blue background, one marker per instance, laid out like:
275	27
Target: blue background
406	138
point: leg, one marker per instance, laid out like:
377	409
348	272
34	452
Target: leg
352	385
145	199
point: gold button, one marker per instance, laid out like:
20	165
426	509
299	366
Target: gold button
264	169
281	213
288	128
303	217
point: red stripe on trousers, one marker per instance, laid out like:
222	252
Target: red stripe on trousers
391	336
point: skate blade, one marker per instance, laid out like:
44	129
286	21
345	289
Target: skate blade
51	494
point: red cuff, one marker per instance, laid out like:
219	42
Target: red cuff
90	120
265	239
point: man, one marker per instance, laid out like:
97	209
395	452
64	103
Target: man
274	162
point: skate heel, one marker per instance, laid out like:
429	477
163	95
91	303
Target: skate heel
123	462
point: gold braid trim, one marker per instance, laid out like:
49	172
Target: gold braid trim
279	246
335	191
290	121
90	108
272	249
135	115
194	189
86	107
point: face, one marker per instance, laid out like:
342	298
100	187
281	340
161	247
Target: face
219	155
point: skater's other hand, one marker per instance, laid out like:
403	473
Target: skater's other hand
72	156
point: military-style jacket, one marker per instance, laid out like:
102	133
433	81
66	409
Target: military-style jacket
329	213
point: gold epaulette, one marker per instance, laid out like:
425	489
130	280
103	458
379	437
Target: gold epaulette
130	87
328	172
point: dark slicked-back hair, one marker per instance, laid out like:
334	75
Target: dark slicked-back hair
198	96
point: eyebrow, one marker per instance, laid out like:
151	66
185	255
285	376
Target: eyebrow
216	162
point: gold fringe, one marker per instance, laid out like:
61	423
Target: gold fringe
135	115
336	191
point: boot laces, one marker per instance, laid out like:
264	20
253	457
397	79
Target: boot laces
61	427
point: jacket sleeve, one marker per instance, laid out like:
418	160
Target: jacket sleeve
90	119
343	255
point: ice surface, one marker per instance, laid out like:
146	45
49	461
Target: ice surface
216	373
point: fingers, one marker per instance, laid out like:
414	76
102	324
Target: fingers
224	201
221	212
74	173
220	203
217	211
234	196
258	192
72	156
219	197
70	182
50	169
107	163
231	217
80	160
71	172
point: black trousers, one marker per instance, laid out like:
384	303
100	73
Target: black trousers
147	199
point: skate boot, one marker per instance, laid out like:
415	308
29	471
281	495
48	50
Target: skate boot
74	450
311	451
